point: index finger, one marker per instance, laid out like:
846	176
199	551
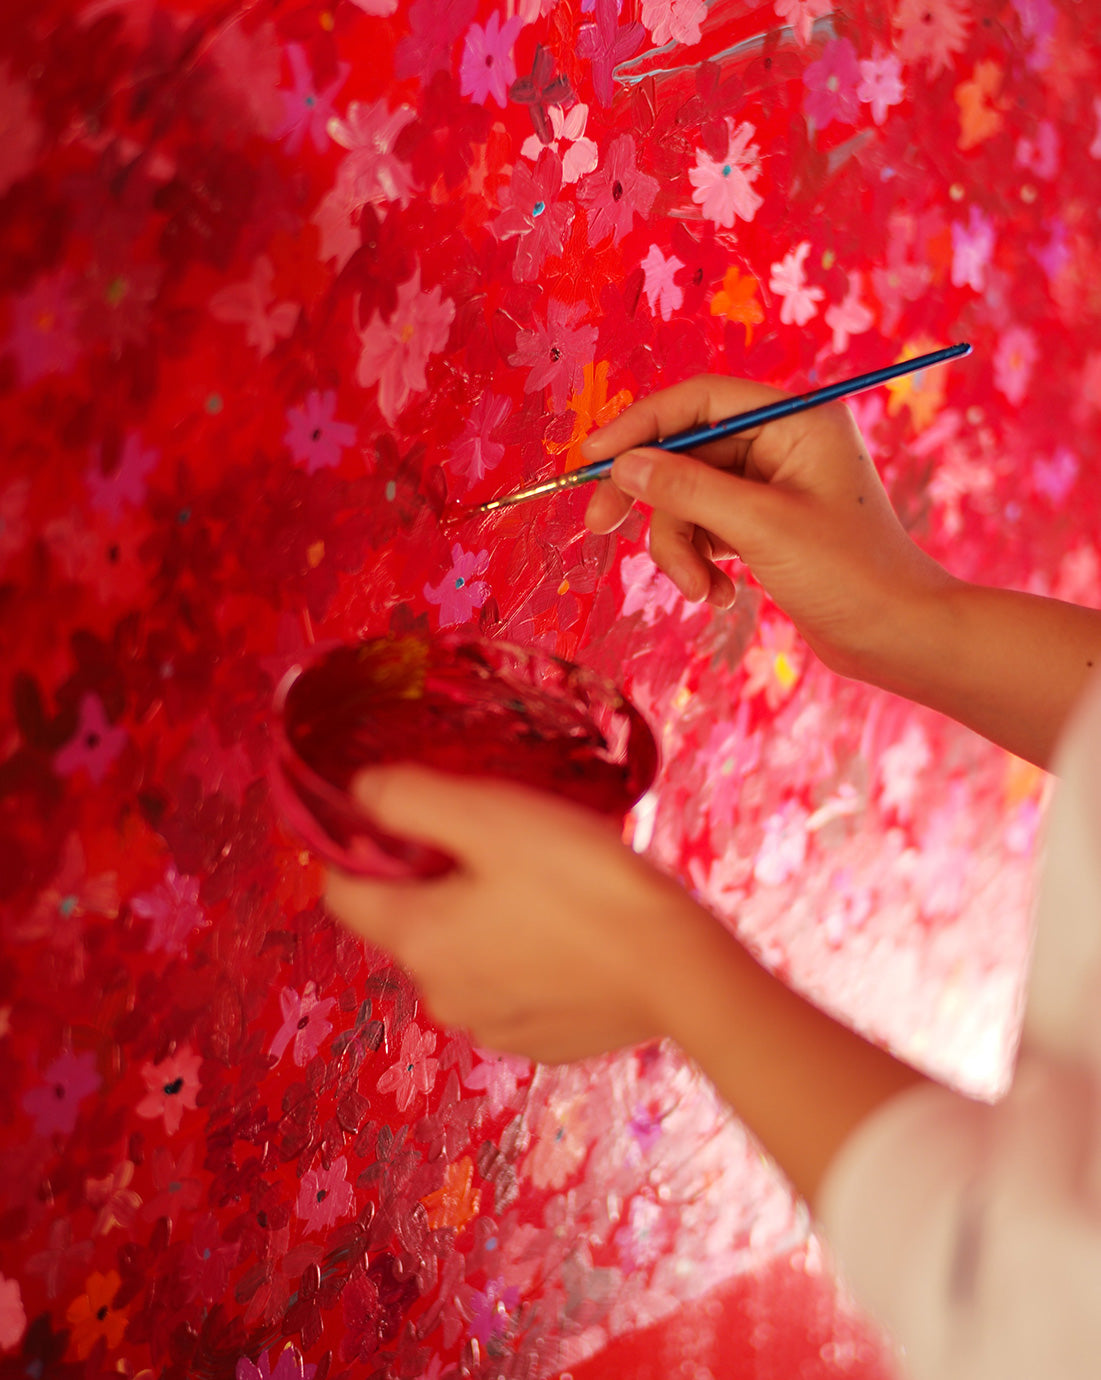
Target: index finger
703	400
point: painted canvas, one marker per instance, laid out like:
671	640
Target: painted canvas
278	280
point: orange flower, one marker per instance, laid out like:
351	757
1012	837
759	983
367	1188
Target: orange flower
737	301
979	116
592	408
92	1316
922	393
457	1200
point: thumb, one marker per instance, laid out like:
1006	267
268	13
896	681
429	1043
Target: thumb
741	512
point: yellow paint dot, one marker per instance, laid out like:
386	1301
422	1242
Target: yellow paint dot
563	587
681	698
956	191
407	333
828	258
1028	193
785	671
315	554
325	19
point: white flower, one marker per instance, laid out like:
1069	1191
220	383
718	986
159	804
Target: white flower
789	281
676	20
725	189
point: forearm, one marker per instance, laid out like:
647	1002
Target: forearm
801	1081
1006	664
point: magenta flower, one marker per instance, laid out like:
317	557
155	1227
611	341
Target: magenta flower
457	594
126	484
415	1071
972	248
313	435
95	744
172	1087
616	191
290	1366
43	329
487	68
490	1311
606	44
724	189
396	352
534	214
173	909
663	294
831	85
476	452
304	1022
556	353
325	1195
306	110
207	1260
55	1103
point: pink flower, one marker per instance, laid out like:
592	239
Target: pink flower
972	247
647	588
1013	362
1041	154
306	110
783	849
616	192
324	1195
831	85
556	353
579	155
1054	477
881	83
801	14
304	1022
788	280
674	21
497	1076
725	189
313	435
901	766
476	452
931	31
396	352
487	68
664	296
126	484
43	329
415	1071
95	744
13	1317
252	304
172	1088
372	172
849	317
20	129
774	665
116	1202
534	214
457	595
174	910
55	1103
207	1260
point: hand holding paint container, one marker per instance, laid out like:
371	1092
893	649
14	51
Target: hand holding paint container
455	703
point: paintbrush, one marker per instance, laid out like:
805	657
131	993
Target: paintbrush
702	435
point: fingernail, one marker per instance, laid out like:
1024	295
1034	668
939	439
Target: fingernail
631	472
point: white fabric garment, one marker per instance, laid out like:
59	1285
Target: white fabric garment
974	1232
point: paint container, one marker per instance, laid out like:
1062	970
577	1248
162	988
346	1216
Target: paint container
456	703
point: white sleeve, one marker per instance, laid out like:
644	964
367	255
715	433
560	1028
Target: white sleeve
974	1232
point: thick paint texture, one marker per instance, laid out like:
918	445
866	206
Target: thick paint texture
277	282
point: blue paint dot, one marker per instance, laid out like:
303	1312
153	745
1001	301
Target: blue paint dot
726	170
460	582
311	101
538	208
67	905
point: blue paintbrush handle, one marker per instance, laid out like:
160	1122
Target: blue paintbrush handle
786	407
